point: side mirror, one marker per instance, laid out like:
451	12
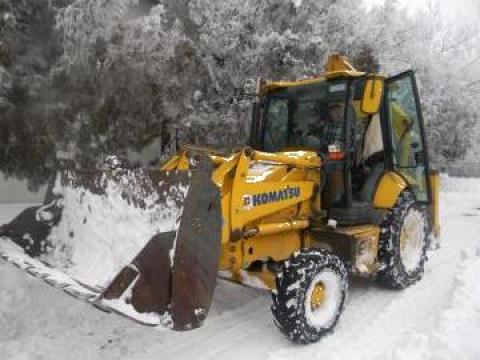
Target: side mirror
372	96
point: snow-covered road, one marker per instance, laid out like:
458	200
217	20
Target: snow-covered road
438	318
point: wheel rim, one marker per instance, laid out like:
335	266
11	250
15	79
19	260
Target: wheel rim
323	300
412	236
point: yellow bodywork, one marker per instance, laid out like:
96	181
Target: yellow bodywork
268	201
262	195
435	186
337	67
271	202
372	96
388	189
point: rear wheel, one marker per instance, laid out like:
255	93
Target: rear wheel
403	243
310	295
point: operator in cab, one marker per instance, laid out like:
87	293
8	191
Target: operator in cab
328	130
332	133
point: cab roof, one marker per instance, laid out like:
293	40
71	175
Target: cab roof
337	67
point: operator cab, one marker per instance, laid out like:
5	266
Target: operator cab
357	141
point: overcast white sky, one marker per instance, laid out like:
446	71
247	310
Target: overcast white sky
455	10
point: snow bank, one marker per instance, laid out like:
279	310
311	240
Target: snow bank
461	319
98	234
458	323
449	184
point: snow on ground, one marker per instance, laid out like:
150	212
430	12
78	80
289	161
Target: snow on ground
438	318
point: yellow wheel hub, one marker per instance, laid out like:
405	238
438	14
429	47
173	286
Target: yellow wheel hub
318	296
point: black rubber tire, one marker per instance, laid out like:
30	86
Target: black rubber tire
293	283
392	272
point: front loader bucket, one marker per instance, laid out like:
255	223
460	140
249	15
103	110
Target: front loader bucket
144	244
176	271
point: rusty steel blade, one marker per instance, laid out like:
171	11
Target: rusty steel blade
197	251
149	276
186	290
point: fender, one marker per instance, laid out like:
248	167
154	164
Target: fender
389	187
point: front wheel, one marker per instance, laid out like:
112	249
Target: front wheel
310	295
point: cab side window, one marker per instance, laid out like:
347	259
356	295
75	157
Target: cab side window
406	137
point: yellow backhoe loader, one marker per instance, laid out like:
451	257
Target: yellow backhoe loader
335	181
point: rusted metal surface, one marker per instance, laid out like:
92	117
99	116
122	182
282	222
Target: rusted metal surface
176	272
197	252
149	276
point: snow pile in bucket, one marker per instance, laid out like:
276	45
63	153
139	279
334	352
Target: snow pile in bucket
98	234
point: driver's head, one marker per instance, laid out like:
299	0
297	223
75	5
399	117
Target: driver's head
335	113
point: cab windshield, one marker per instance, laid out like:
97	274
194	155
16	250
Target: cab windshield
309	117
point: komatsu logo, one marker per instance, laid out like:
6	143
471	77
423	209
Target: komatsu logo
250	201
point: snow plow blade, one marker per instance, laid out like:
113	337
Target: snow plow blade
86	240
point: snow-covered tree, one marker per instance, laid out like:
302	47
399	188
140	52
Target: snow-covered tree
440	52
93	77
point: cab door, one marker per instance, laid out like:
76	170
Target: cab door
404	134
